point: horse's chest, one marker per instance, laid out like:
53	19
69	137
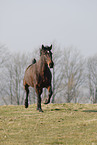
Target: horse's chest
45	79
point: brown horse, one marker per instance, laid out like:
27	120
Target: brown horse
38	75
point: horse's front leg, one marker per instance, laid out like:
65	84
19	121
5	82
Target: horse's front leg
39	103
49	95
39	92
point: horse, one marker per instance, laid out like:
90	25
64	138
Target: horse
38	76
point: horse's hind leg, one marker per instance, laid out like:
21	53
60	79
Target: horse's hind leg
49	95
27	93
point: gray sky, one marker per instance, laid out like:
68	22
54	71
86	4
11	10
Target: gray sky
26	24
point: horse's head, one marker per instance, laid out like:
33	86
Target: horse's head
46	51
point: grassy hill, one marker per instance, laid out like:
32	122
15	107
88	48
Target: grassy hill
58	124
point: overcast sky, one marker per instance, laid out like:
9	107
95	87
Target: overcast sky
26	24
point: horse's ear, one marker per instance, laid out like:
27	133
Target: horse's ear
51	47
42	46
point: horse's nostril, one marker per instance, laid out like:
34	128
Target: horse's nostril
51	65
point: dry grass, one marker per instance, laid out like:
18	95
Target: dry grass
58	124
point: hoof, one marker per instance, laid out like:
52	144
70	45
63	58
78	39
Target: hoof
40	110
47	101
26	104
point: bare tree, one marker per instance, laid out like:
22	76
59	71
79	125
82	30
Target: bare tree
14	78
92	78
56	72
15	69
73	78
4	57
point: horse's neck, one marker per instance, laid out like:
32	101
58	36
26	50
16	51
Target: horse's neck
43	64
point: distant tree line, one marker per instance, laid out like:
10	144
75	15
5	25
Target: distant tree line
74	77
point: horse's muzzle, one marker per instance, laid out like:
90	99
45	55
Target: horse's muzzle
51	65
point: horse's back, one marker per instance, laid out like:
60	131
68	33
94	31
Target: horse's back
28	77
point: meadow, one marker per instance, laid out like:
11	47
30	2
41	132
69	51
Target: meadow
59	124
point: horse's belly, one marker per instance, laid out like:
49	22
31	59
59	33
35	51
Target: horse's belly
29	81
